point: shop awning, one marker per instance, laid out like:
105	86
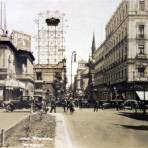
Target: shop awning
12	83
141	95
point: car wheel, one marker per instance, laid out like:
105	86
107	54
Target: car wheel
8	108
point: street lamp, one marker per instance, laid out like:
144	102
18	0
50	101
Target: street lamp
73	58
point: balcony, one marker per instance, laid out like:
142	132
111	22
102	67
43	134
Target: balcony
140	77
25	77
141	56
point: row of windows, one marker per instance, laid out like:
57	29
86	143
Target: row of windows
116	39
120	15
118	53
115	76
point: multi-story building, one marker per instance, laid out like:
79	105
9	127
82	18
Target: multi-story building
81	78
45	75
50	54
121	62
16	70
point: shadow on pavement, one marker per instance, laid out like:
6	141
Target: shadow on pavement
139	127
17	112
137	116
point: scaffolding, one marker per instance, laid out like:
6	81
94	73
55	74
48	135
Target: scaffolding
50	38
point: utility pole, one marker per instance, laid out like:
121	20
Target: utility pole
73	58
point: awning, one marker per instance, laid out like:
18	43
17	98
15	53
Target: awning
12	83
141	95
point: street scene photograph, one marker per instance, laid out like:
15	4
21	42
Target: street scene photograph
73	73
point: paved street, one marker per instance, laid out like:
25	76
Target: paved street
86	129
107	129
9	119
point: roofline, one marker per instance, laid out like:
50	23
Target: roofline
9	43
26	52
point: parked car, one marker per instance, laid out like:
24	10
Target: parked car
85	104
59	102
131	104
23	102
1	103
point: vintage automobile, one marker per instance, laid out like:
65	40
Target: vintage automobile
22	102
130	104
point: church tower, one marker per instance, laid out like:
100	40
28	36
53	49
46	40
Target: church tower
93	47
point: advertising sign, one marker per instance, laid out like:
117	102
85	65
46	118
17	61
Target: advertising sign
21	40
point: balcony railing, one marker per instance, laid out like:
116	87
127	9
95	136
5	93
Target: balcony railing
140	76
141	56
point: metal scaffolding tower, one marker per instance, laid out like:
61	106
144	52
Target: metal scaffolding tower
50	38
3	22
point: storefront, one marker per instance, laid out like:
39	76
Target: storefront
143	95
10	89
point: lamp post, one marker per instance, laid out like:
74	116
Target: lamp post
73	58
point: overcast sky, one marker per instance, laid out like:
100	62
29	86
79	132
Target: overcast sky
84	17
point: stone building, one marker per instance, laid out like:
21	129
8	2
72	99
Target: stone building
81	78
121	62
45	75
16	70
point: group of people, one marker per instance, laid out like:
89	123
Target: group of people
43	104
98	105
68	105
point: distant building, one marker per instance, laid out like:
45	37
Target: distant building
16	70
81	79
121	62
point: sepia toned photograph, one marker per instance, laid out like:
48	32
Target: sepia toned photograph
73	73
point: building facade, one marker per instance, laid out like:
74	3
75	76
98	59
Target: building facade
16	70
121	62
81	78
45	75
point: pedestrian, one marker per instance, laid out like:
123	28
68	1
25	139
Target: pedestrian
136	106
101	105
53	106
117	105
68	104
71	106
64	105
96	105
80	102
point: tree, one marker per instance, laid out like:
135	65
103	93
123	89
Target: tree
58	84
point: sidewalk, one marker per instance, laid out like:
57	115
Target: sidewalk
10	119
